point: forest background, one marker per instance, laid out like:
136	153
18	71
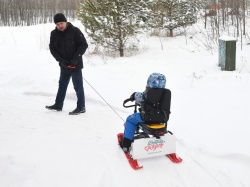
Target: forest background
164	18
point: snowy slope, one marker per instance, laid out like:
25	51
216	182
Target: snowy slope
210	116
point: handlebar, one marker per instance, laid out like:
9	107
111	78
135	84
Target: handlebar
127	106
127	100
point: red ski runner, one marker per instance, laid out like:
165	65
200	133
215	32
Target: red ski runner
174	158
133	163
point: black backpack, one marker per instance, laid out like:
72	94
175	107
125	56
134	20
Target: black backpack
156	105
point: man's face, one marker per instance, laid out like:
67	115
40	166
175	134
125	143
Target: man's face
61	25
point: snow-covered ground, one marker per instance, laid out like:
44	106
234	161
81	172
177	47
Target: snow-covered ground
40	148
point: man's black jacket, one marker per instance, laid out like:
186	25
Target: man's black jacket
68	46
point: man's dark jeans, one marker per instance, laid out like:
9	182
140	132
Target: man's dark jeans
78	86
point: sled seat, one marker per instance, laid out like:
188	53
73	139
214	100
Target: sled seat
157	129
156	126
155	111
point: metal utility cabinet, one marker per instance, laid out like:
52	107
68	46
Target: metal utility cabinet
227	53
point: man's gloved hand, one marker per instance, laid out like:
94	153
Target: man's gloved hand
73	62
63	64
132	97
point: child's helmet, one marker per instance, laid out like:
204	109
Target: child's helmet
156	80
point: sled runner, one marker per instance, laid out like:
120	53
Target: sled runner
152	137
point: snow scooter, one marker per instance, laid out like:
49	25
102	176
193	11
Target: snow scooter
150	140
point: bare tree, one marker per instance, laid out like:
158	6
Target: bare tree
31	12
226	14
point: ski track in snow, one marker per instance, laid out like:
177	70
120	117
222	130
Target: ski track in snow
203	165
156	172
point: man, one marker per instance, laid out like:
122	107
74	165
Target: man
67	45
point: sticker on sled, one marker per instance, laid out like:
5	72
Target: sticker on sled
151	147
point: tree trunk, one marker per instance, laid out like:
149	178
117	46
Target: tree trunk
244	17
171	32
121	50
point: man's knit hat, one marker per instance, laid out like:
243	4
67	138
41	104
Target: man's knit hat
59	17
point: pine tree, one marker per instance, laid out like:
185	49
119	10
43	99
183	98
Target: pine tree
171	14
111	22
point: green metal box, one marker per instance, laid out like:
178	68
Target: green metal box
227	53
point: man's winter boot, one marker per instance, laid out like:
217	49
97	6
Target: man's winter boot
77	111
54	107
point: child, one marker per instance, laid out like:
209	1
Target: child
155	80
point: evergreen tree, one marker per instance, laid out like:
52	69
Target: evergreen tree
171	14
111	22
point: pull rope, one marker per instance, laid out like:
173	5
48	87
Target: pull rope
104	99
